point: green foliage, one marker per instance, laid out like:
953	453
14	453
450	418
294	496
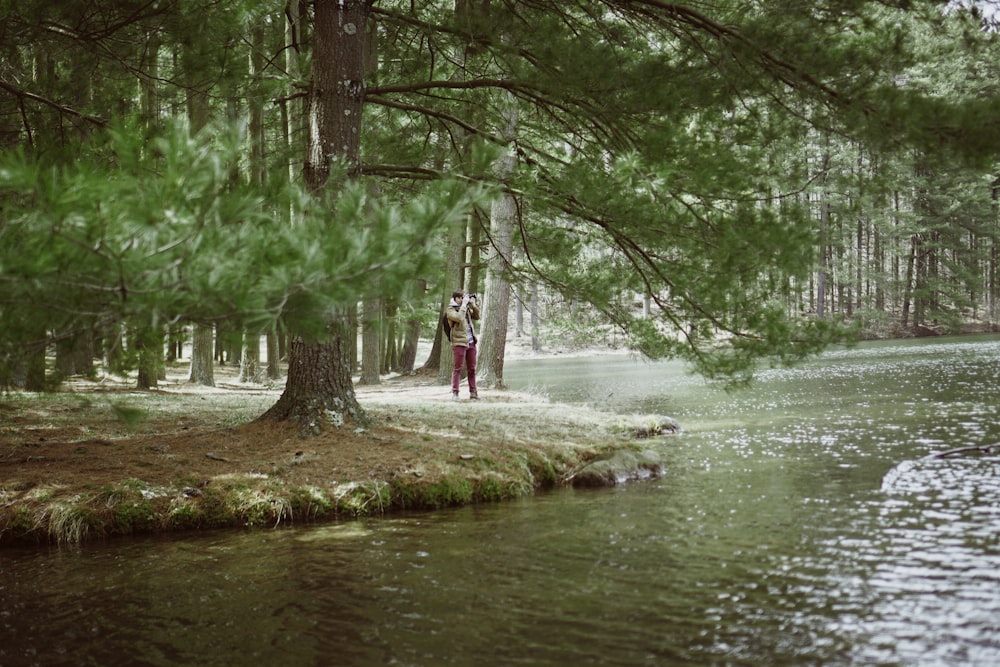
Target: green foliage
150	236
678	152
129	415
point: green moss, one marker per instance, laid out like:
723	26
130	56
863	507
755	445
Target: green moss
310	503
542	470
132	516
135	484
494	488
18	524
450	491
184	515
214	510
362	499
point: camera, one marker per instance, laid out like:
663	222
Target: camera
473	296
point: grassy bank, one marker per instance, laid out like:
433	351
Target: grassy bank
98	461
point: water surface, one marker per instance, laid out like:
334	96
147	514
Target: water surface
799	523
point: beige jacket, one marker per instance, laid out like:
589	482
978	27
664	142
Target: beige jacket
460	326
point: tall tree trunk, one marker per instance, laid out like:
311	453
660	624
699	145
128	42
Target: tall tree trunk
202	369
454	272
536	343
29	367
250	367
390	346
75	354
408	353
202	346
273	356
319	390
993	264
908	282
372	329
371	334
148	343
503	216
824	255
919	281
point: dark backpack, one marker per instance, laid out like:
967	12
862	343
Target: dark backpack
446	325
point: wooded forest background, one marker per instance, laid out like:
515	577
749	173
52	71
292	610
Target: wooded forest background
720	181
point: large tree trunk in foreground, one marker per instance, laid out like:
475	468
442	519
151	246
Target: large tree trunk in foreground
318	390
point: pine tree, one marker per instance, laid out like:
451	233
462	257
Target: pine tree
660	160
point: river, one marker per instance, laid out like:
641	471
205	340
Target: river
799	523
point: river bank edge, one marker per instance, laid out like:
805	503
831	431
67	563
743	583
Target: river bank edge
73	476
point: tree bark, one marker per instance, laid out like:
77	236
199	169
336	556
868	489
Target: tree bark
192	62
503	215
148	344
250	367
75	354
318	393
371	333
318	390
497	296
536	343
202	369
273	356
408	355
454	280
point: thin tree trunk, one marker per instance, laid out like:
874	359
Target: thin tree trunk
273	356
454	273
371	335
202	352
536	343
408	354
823	262
908	283
250	367
390	346
29	368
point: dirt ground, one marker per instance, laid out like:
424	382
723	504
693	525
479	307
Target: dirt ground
94	434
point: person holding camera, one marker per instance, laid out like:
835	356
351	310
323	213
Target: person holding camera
460	314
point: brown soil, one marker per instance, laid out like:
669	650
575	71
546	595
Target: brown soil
93	434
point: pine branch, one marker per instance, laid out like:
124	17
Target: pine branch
62	108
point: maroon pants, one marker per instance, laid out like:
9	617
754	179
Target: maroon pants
464	355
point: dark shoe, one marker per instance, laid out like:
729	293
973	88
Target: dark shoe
473	397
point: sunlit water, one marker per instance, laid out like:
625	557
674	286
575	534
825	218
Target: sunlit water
799	523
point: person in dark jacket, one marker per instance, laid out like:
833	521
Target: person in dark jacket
461	313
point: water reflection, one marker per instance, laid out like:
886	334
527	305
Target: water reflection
799	523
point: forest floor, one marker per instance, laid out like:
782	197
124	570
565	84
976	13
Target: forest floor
100	458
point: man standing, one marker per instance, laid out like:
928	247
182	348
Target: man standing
460	314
